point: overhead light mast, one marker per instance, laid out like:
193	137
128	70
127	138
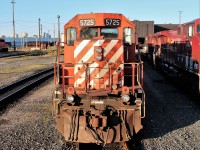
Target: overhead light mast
39	36
13	2
58	52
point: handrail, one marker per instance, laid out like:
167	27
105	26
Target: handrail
138	84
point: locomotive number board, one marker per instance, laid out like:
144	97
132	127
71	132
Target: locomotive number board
86	22
112	22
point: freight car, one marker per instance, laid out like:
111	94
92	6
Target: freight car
176	52
3	45
99	96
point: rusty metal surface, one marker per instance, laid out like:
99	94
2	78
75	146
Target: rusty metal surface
104	123
99	97
101	116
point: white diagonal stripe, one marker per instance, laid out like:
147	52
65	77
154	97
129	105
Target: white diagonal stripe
94	65
117	54
91	69
110	46
91	51
76	67
99	43
122	68
80	47
105	83
115	57
78	81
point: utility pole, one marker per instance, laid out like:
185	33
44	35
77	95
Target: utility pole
13	2
39	34
54	32
48	37
59	30
41	30
58	54
180	17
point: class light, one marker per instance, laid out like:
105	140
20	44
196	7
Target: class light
114	86
126	98
70	98
99	57
99	50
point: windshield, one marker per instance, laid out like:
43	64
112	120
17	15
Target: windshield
89	32
93	32
109	32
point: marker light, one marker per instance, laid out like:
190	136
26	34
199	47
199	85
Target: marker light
125	98
114	86
99	50
70	98
99	57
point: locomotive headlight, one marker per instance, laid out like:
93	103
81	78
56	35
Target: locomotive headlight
70	98
99	57
126	98
99	50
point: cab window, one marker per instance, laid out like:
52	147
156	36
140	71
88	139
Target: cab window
109	32
128	36
71	36
198	28
190	31
89	32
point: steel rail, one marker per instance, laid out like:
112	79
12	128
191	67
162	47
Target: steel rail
19	87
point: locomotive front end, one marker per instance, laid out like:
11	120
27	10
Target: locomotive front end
100	98
99	120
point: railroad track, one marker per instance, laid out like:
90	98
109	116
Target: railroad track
19	88
10	56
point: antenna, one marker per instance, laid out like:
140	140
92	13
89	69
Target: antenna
180	17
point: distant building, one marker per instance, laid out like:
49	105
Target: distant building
162	27
46	35
144	28
3	36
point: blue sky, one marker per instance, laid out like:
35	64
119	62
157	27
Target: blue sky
27	12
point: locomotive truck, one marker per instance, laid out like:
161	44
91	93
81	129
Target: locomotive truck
177	53
99	96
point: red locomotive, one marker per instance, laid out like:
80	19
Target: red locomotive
3	45
99	95
176	52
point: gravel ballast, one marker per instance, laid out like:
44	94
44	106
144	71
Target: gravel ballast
28	123
15	68
172	119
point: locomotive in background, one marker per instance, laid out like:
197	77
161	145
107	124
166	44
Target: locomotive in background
99	96
3	45
177	53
